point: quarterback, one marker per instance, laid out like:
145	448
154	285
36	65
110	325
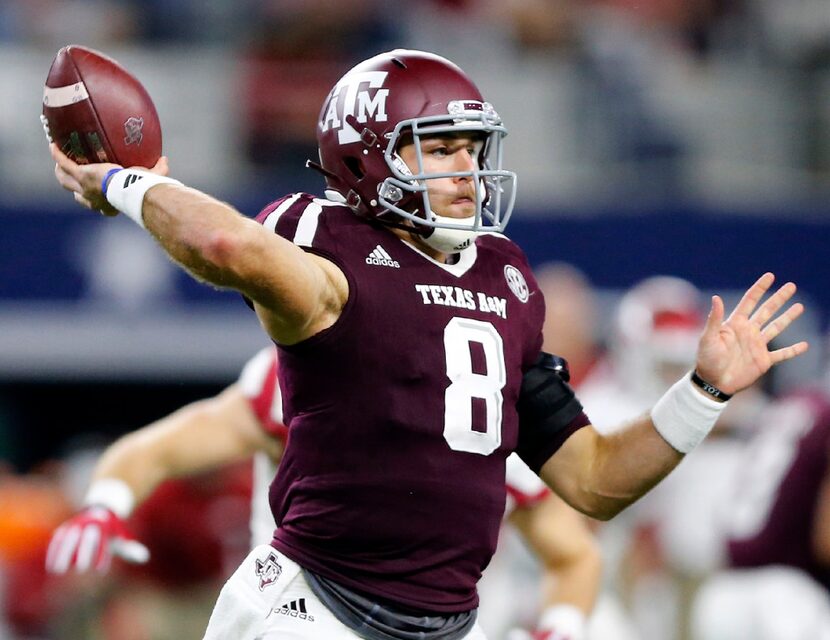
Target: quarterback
401	413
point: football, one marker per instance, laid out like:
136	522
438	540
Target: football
97	111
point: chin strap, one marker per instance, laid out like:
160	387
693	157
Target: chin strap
310	164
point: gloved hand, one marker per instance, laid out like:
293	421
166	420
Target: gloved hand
90	539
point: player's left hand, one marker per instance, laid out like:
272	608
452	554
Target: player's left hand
85	180
733	353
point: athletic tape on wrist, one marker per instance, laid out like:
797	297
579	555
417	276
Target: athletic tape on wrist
126	188
112	494
566	619
684	416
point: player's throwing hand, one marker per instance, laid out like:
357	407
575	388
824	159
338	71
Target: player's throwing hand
86	181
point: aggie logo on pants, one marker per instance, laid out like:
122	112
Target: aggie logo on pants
268	571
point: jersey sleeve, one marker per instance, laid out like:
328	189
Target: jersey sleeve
259	383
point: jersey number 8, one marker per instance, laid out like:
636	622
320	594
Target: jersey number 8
465	385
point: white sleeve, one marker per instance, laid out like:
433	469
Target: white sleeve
524	488
255	372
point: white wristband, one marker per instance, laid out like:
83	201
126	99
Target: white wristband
126	188
684	416
113	494
566	620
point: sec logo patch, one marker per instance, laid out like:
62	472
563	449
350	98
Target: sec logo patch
517	283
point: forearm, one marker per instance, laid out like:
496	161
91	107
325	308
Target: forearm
600	475
566	548
131	461
629	463
575	581
223	428
201	233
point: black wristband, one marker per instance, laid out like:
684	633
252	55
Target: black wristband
712	390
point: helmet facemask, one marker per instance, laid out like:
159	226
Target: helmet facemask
405	192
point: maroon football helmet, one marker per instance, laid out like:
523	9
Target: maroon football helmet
411	93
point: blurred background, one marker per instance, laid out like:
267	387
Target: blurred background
650	137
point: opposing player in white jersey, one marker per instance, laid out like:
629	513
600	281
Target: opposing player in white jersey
246	419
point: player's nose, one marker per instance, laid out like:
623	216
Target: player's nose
464	161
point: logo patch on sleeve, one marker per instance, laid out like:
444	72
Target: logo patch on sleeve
516	282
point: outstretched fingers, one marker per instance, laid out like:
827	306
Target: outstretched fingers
754	294
787	353
772	305
777	326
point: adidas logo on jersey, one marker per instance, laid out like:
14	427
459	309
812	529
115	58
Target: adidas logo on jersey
295	609
380	257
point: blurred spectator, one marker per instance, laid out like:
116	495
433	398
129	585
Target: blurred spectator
570	328
208	22
689	24
30	507
294	54
796	35
55	23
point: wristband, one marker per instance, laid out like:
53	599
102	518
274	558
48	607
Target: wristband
126	188
683	416
711	389
106	181
566	620
112	494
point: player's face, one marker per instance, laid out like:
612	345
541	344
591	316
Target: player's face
453	197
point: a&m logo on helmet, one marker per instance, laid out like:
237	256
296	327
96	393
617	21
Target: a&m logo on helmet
268	570
517	283
359	94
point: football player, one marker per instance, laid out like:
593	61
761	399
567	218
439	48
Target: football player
409	333
776	531
246	419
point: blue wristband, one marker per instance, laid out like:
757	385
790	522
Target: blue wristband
106	180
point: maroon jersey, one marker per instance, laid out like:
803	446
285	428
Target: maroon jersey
401	415
773	515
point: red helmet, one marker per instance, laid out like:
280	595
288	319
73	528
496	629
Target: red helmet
656	330
422	94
